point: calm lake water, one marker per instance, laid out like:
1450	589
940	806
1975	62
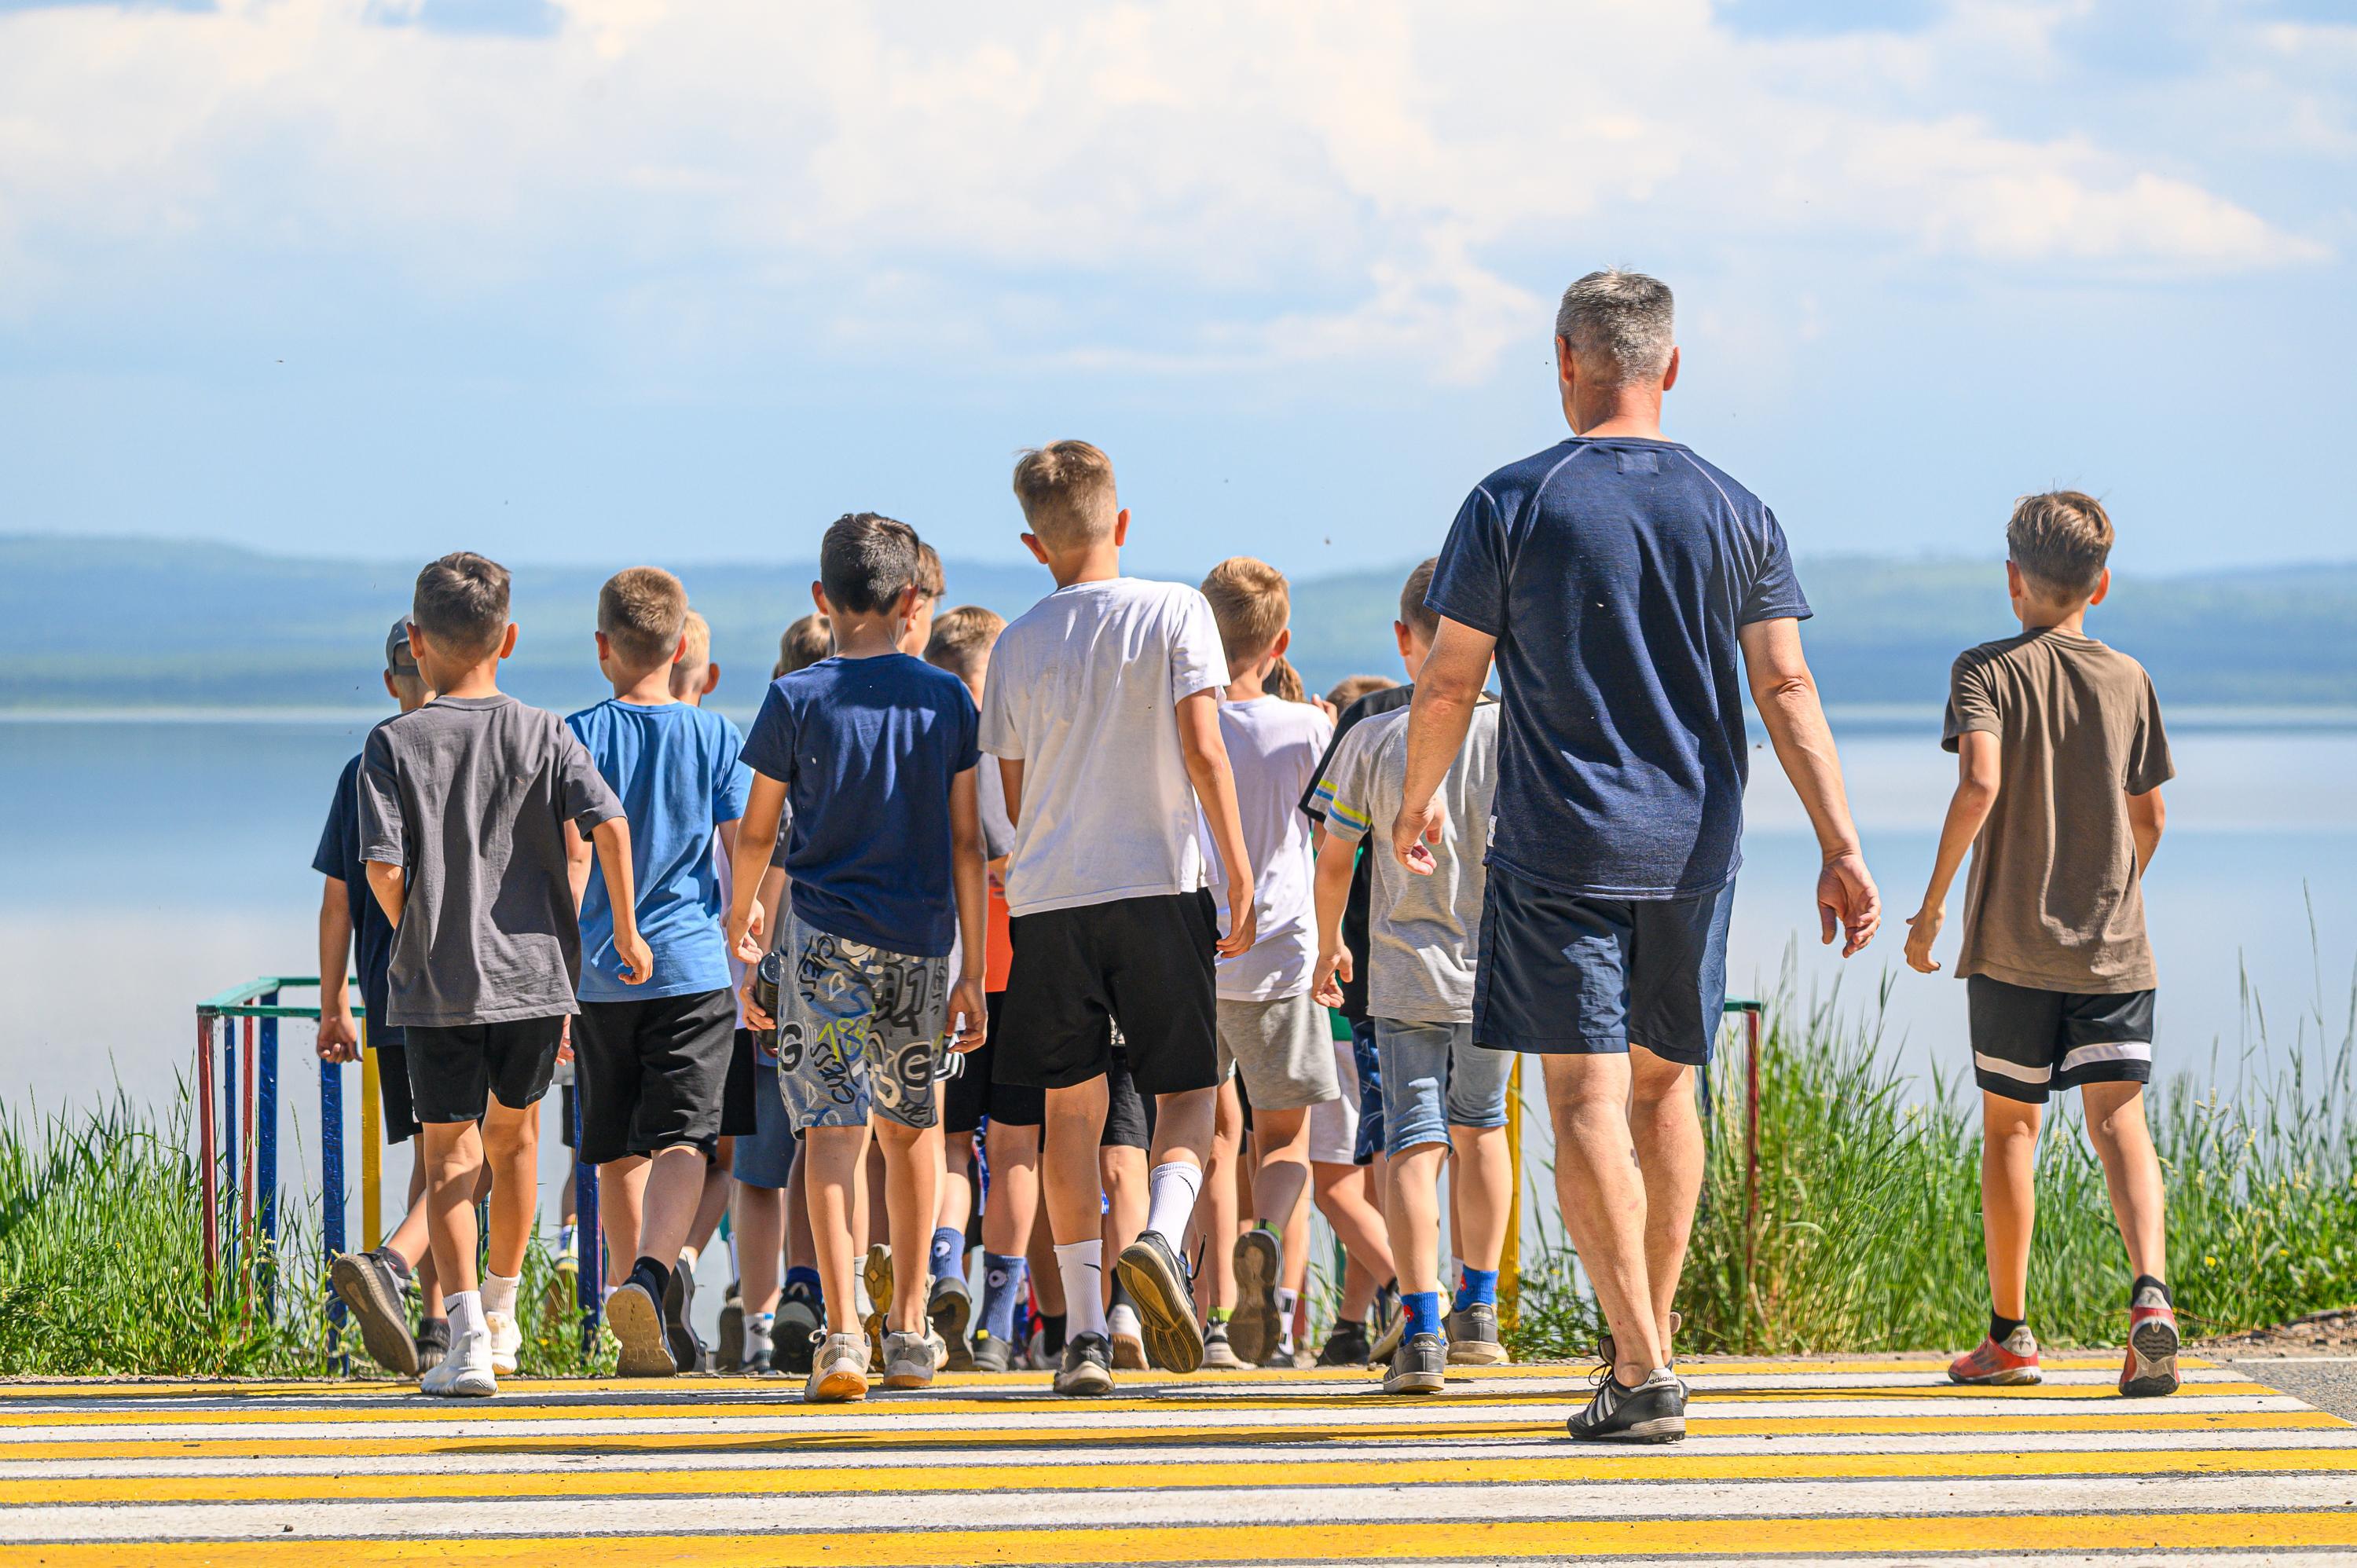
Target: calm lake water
145	865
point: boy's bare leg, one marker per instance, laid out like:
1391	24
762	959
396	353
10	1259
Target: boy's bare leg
956	1203
1047	1283
1603	1197
712	1201
409	1239
1183	1124
1006	1219
675	1188
1483	1192
801	1249
912	1176
873	1211
2008	1197
760	1222
512	1162
1666	1129
837	1159
1412	1204
1068	1176
1342	1199
453	1154
1217	1217
1281	1176
621	1201
1121	1170
2115	1125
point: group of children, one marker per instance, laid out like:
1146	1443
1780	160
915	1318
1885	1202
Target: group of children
1062	935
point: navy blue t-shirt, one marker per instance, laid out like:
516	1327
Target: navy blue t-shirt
339	855
1614	573
866	748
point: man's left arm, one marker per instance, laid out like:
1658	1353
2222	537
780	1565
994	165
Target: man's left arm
1448	689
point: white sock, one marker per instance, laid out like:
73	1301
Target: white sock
687	1260
1286	1300
499	1295
1171	1205
465	1310
1080	1265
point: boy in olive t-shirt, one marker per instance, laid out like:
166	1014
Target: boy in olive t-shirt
2062	757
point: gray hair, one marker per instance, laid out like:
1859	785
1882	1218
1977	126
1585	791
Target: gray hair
1618	322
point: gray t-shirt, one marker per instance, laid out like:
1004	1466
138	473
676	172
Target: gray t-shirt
1423	933
469	797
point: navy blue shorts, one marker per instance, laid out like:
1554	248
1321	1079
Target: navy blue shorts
1565	974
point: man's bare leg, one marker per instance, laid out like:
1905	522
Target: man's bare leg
1603	1197
1666	1128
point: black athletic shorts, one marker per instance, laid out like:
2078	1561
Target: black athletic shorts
1129	1114
737	1113
393	1098
976	1092
455	1071
652	1073
1144	964
2027	1043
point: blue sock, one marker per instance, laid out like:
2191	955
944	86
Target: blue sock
1423	1312
804	1282
949	1247
1480	1287
1002	1287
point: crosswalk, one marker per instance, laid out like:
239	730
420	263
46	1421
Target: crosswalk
1873	1461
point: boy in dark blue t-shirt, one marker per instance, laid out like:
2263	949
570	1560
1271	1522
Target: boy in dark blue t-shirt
874	751
375	1284
651	1061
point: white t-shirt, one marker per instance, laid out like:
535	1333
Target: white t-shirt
1084	688
1275	747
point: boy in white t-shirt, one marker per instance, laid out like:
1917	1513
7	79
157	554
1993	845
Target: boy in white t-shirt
1103	708
1272	1034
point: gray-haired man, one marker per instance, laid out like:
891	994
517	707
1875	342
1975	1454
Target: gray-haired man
1625	588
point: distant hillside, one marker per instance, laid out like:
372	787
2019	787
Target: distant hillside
143	624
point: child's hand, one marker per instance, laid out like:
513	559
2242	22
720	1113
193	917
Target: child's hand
338	1041
969	1015
637	963
1922	931
755	1018
748	942
1244	925
1333	971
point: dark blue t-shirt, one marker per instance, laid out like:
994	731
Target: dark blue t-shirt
1614	573
673	767
866	748
339	855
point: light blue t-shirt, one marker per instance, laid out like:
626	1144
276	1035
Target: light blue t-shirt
676	768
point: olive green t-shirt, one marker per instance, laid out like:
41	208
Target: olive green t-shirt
2055	899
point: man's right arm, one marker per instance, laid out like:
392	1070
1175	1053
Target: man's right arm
1786	695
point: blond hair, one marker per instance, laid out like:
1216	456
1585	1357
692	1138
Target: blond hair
805	642
641	609
2060	540
1067	494
1284	682
962	640
1351	688
1252	604
687	671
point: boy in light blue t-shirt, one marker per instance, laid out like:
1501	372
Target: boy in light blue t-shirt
651	1061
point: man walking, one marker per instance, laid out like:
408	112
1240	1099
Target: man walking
1614	577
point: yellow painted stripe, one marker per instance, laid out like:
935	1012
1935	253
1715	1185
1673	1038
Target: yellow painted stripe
1977	1534
514	1486
2142	1418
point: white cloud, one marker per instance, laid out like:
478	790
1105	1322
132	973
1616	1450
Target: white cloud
1159	187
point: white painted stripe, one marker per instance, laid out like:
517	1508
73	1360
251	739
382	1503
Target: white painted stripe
1249	1506
2107	1051
2005	1068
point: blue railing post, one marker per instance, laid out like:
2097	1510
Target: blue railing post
331	1192
588	1240
265	1129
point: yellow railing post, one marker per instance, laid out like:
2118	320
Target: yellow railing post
1510	1257
371	1150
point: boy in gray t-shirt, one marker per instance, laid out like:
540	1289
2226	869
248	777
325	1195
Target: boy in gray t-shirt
463	805
1439	1086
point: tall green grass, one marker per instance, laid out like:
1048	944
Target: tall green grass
1865	1231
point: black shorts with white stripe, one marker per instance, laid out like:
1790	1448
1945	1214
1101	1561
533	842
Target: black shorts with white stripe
2026	1043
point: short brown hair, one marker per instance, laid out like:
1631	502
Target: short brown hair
1067	493
1252	604
866	560
1351	688
1414	614
932	583
806	642
641	609
961	637
2060	540
461	602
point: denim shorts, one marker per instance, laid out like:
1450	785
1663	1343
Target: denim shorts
764	1157
1436	1077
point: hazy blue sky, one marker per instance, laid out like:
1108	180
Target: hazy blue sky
624	279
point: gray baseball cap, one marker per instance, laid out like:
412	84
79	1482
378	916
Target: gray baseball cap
398	659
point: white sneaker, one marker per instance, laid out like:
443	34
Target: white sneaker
465	1372
1128	1337
839	1371
506	1340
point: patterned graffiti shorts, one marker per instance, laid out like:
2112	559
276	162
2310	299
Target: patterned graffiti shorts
858	1027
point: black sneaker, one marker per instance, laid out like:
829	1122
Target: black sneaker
1088	1367
1256	1328
1420	1366
1653	1412
678	1310
1158	1282
1346	1347
375	1292
433	1343
949	1307
729	1355
991	1354
797	1319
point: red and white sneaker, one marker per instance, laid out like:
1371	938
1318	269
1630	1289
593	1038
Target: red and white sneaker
1995	1364
2151	1369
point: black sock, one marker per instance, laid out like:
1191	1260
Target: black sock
653	1276
1051	1331
2001	1329
2137	1289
